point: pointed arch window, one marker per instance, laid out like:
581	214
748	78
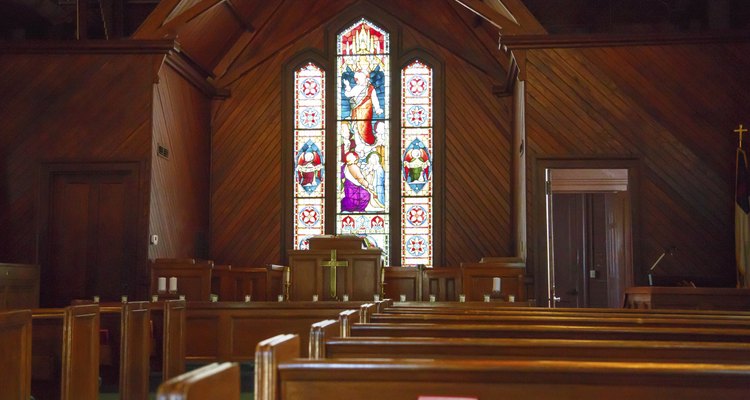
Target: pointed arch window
309	157
377	179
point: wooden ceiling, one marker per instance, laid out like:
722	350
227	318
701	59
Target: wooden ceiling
227	38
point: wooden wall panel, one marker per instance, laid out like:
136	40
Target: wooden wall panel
180	183
671	107
477	188
62	107
246	195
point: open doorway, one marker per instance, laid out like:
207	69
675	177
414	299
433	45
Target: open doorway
586	235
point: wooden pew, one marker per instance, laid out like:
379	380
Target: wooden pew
172	337
19	286
233	283
142	327
328	340
540	349
135	347
508	309
15	351
547	319
69	339
283	376
553	332
193	278
230	331
213	381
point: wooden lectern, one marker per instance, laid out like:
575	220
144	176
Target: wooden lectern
335	266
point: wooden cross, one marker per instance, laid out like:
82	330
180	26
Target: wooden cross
740	131
333	263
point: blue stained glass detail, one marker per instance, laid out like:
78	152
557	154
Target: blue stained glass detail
310	118
416	246
416	215
416	165
416	116
310	216
309	166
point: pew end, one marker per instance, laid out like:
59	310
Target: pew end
268	355
319	331
213	381
15	351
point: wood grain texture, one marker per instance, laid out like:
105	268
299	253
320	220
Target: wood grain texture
671	107
179	201
246	202
87	107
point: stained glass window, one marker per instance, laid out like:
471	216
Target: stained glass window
365	151
363	140
309	157
416	164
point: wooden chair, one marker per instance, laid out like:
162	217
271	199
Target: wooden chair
15	351
213	381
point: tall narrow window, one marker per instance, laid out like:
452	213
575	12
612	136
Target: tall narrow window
363	140
380	169
309	158
416	164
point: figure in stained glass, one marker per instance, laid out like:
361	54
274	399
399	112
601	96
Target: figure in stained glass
375	174
416	164
309	167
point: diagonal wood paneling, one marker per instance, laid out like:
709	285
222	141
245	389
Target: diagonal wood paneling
674	108
180	184
58	107
246	195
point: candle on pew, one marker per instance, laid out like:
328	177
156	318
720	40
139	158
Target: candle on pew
248	298
376	297
402	297
162	284
315	297
432	298
173	284
154	298
280	297
345	297
496	284
124	298
462	298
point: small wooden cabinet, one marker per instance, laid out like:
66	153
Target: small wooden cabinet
19	286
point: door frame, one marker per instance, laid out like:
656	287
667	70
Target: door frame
538	198
49	169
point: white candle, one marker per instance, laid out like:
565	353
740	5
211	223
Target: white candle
154	298
96	299
511	298
402	297
376	297
432	298
173	284
162	284
182	297
280	297
462	298
124	298
214	298
345	297
247	298
486	298
315	297
495	284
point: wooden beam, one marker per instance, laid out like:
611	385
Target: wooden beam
605	40
485	33
490	15
525	19
186	16
246	24
148	28
193	73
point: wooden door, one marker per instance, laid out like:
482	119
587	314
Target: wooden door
581	249
89	231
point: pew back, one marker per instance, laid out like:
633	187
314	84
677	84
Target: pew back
80	353
213	381
15	351
135	347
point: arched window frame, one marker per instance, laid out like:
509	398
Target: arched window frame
398	60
